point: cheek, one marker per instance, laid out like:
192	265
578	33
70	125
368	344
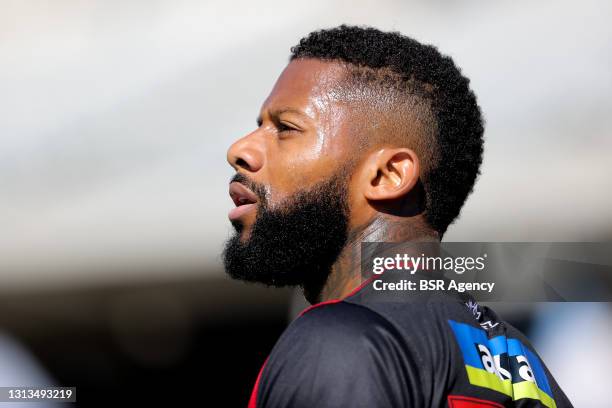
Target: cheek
298	172
297	164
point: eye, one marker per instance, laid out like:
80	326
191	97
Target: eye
283	127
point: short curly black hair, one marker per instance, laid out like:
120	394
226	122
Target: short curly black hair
458	123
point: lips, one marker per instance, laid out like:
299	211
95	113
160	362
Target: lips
244	199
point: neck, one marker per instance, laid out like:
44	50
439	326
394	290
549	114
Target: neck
345	273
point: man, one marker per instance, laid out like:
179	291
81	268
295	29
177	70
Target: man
369	136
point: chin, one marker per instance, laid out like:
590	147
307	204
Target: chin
245	234
242	230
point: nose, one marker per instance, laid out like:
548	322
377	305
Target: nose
246	154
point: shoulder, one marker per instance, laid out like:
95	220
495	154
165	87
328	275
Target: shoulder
337	332
339	354
339	320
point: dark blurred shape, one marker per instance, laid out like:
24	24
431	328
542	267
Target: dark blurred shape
183	341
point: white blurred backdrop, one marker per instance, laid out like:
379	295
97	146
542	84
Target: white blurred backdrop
115	117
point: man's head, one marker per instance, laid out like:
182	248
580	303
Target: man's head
361	126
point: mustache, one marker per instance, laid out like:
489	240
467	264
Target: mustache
257	188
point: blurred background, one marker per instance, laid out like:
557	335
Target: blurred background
115	117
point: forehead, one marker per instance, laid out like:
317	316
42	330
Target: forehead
305	84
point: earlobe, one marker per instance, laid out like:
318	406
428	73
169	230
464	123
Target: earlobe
393	174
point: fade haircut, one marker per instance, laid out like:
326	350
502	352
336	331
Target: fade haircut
416	77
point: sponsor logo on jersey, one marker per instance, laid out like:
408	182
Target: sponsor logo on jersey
502	364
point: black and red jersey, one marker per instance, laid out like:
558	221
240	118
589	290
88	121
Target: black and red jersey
425	350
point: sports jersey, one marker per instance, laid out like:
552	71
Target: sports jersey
372	350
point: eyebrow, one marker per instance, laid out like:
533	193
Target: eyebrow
279	111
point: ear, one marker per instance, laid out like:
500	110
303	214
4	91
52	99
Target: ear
391	173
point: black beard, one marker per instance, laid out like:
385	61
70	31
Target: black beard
295	244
